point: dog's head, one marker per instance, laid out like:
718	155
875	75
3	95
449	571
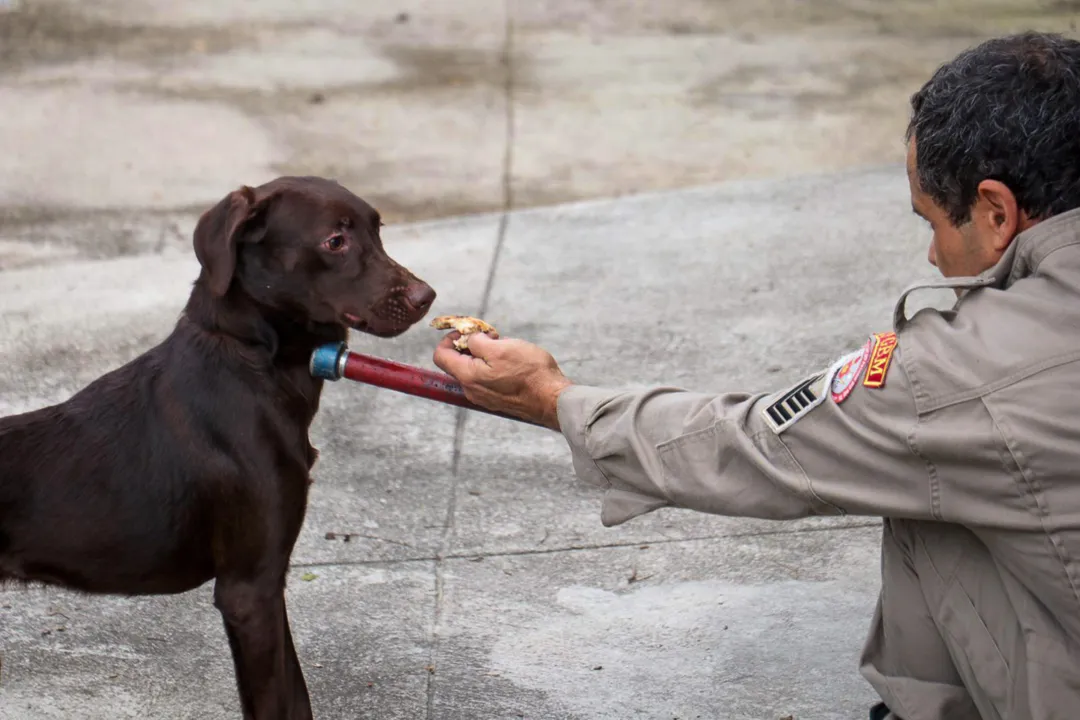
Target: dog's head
309	248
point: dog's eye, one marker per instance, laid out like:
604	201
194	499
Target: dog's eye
335	243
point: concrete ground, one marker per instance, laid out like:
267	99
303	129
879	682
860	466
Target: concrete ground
452	567
131	112
477	581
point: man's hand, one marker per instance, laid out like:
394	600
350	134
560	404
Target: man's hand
509	376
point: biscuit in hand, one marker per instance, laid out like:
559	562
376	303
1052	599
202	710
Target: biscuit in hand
466	326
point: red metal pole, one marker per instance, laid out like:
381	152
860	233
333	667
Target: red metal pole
411	380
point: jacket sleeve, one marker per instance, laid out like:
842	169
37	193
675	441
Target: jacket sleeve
796	452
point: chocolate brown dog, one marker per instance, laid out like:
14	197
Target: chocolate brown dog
192	462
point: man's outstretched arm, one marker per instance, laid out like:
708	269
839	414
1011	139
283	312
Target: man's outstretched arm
791	453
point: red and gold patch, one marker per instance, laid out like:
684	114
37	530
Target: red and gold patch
880	358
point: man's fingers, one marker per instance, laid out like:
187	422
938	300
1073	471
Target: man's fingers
450	360
481	345
449	338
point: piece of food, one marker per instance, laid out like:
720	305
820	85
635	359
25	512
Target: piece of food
466	326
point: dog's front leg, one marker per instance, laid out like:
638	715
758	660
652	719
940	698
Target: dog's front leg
268	674
300	706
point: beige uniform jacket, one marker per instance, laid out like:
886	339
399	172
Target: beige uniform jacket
972	417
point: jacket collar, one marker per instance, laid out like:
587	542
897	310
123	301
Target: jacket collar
1020	259
1032	246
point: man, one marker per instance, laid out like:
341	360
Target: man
960	428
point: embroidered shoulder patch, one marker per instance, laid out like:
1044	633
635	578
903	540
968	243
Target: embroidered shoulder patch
880	358
795	403
847	375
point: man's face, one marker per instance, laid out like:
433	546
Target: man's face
955	251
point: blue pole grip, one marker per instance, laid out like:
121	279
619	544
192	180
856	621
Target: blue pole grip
327	362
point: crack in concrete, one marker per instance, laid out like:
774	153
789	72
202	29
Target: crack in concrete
440	557
462	414
504	218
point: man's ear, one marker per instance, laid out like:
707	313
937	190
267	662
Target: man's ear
220	229
998	212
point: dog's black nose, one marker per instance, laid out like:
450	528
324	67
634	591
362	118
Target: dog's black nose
419	296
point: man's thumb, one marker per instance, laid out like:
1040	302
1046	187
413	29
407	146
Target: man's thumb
481	345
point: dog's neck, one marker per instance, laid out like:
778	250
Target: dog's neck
257	333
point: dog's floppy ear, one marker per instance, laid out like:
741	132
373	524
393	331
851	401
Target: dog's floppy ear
234	219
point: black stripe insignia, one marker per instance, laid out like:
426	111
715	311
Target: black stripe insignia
795	403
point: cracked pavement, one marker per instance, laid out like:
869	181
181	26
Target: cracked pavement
709	195
492	590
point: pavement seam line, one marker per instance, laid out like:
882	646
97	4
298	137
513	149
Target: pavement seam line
489	283
579	548
504	217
